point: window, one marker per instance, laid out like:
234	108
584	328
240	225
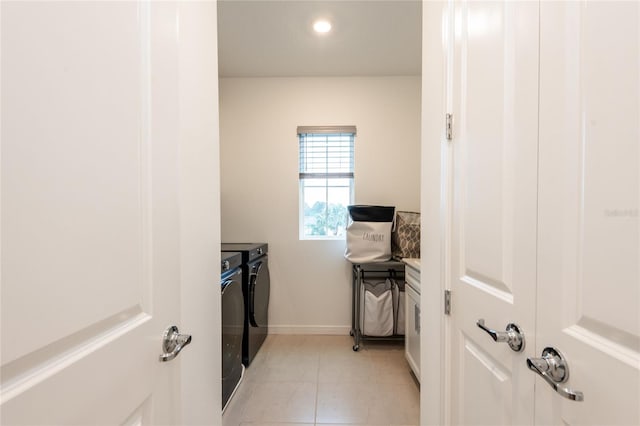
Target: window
326	180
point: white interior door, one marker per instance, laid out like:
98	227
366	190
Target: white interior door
588	278
90	258
546	192
493	241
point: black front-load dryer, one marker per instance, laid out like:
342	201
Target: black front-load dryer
256	286
232	324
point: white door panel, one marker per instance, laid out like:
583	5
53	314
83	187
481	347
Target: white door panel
589	284
90	260
59	194
494	208
495	392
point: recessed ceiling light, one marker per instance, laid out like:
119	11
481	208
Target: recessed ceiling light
322	26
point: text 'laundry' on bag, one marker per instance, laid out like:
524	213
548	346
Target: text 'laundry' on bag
369	233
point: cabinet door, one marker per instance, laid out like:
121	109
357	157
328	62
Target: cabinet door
412	332
588	280
493	240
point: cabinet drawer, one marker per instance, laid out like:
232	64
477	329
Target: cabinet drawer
412	276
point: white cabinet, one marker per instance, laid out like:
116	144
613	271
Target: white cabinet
412	313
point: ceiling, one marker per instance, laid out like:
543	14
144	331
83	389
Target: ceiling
274	38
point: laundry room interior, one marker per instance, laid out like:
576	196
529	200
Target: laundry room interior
496	123
277	75
418	212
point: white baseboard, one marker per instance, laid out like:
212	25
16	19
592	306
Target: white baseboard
333	330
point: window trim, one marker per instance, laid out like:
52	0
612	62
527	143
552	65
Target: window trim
327	129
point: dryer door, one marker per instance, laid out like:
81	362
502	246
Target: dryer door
232	329
259	289
257	307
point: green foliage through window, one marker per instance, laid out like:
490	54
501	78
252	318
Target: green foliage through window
325	220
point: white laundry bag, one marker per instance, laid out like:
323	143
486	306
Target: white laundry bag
398	307
377	313
369	233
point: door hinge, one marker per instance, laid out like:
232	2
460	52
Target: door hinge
449	126
447	302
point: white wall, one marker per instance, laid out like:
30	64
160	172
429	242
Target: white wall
310	280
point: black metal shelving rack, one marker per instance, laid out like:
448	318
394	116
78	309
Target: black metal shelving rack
372	270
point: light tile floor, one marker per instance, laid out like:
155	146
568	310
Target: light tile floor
320	380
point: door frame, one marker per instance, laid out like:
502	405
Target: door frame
436	208
199	198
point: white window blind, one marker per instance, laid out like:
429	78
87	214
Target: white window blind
326	172
326	155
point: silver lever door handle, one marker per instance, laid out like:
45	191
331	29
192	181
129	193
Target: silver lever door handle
553	368
172	343
513	336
